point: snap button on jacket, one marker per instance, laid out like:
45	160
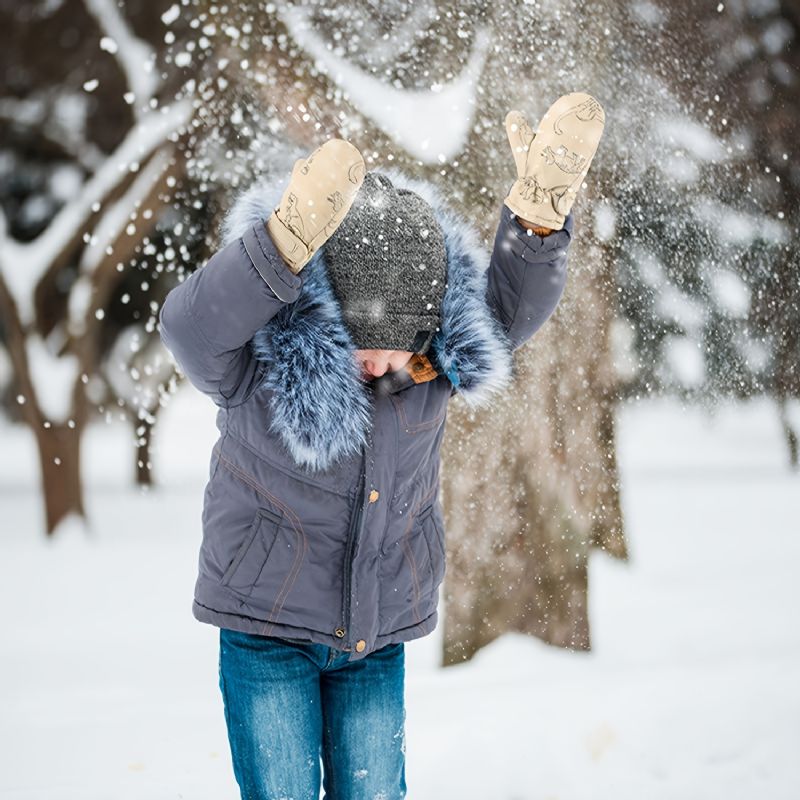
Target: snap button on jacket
321	515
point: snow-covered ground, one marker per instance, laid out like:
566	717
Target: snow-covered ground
109	686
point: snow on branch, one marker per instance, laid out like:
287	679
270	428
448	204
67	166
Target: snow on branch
24	265
431	124
135	57
40	112
115	219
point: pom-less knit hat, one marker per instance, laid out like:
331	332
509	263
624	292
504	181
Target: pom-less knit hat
387	265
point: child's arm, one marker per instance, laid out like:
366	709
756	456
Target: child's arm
526	275
528	269
207	321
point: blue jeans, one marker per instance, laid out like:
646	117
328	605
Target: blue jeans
289	702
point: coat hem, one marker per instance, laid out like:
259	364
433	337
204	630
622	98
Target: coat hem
245	624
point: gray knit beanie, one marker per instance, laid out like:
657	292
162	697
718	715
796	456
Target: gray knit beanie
387	266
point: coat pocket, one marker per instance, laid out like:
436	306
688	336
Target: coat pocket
253	552
411	570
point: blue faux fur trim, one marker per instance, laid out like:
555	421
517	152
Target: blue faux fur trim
320	407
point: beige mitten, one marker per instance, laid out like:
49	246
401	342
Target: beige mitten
320	192
552	163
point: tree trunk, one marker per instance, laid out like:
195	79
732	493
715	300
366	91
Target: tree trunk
530	486
144	437
59	456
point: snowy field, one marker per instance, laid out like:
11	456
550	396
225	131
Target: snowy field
109	686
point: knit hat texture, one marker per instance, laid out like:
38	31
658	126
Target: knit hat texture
387	265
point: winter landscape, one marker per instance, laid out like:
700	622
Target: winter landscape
110	686
621	523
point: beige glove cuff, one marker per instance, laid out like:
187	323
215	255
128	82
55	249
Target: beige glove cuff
539	213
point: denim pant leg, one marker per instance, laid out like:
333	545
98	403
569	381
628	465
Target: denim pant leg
271	695
363	708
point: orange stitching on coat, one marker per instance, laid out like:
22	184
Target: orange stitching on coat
293	518
285	470
410	555
295	570
419	426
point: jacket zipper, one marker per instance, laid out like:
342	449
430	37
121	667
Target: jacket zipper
353	534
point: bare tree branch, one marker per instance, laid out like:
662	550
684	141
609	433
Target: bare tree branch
135	57
25	265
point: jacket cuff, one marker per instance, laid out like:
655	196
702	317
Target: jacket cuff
269	264
532	247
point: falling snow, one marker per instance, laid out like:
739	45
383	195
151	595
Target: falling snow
682	298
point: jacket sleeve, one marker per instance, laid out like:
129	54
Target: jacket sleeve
207	321
526	276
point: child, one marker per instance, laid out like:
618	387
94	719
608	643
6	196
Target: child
331	329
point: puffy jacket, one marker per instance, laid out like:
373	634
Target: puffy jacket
321	516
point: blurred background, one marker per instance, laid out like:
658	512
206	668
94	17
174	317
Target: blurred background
619	614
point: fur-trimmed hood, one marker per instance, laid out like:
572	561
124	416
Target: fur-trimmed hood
320	406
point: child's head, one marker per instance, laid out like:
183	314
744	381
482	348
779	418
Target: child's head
375	363
387	265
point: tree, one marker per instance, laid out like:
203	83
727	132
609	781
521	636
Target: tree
706	247
109	198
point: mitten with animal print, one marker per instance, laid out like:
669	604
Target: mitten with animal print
552	163
321	190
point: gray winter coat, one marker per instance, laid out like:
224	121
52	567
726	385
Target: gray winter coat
321	518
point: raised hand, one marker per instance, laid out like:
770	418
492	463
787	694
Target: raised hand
321	190
552	162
